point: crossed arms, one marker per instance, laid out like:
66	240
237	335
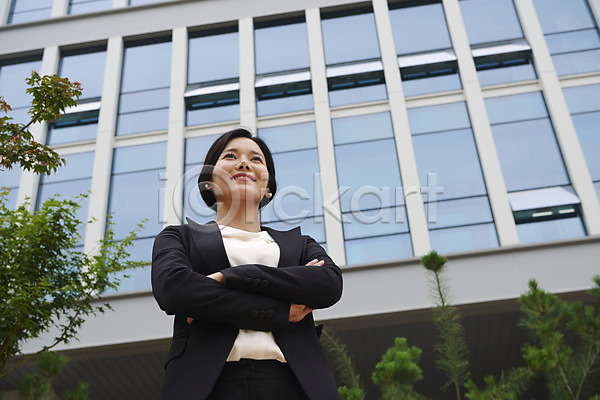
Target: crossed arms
288	294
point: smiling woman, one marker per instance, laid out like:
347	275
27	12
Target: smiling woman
243	294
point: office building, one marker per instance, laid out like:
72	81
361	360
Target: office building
466	126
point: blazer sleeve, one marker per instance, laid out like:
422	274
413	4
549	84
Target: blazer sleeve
179	289
316	286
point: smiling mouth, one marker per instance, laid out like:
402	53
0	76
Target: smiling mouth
243	177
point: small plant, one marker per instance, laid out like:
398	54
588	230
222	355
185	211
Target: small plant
50	365
571	372
452	348
398	371
351	388
508	387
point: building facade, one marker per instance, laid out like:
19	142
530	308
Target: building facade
471	127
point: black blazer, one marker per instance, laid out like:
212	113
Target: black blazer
255	297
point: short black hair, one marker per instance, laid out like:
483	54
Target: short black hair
212	156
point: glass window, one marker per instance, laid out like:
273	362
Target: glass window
529	154
137	192
80	122
490	20
354	73
500	52
87	69
560	229
213	93
427	65
525	141
358	28
455	117
10	179
360	128
380	248
29	10
410	21
70	181
503	68
532	165
142	2
282	67
371	196
86	6
452	156
458	211
571	34
144	99
356	88
193	205
298	199
281	47
584	105
13	87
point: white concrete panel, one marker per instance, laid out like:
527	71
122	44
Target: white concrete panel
4	11
404	145
595	7
176	142
484	140
484	276
59	8
130	21
134	318
247	94
329	184
107	120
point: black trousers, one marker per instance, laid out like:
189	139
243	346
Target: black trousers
257	380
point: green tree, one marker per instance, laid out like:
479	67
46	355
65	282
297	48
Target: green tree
46	281
51	95
572	372
398	371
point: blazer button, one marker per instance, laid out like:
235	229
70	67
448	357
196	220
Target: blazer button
248	281
262	314
256	282
269	313
264	284
253	313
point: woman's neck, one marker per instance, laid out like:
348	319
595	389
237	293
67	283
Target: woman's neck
244	219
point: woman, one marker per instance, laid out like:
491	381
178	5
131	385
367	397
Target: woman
242	294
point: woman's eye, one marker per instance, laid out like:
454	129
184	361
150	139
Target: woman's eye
229	155
259	159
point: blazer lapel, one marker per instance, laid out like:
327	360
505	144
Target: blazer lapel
208	245
290	246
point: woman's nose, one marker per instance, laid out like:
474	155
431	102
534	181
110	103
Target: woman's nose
243	165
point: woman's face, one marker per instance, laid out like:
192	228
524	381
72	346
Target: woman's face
240	173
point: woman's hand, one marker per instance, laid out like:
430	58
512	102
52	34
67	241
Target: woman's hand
298	312
217	276
315	262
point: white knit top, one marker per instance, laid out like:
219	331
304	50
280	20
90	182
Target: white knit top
243	247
